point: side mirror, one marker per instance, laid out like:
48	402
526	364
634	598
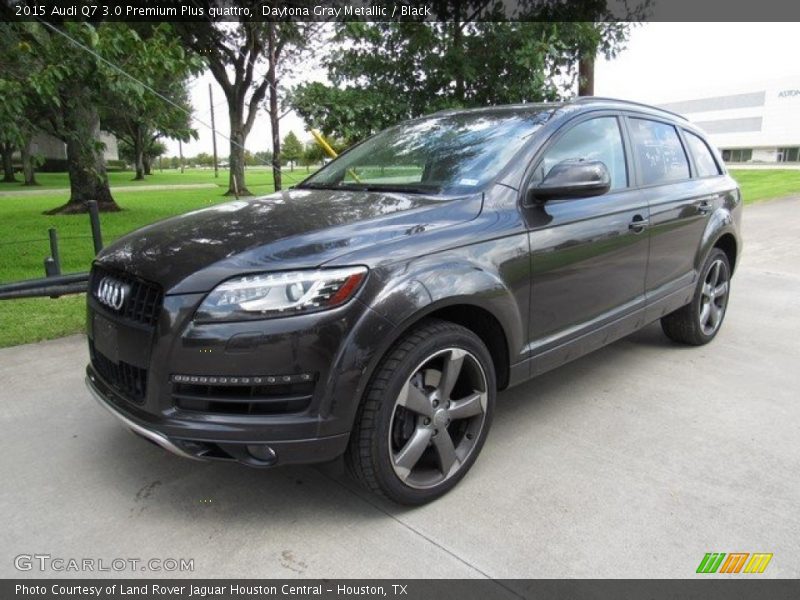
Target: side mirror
572	179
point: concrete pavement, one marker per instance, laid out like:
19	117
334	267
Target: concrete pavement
632	462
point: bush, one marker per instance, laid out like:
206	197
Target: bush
116	165
53	165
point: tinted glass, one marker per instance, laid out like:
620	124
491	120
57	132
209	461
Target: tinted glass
703	159
440	154
598	139
659	152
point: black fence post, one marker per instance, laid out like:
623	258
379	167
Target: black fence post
94	217
54	254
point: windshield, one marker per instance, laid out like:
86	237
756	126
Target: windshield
447	154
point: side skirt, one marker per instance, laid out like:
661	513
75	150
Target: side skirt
602	336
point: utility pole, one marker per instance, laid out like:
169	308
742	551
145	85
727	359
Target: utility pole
180	154
213	131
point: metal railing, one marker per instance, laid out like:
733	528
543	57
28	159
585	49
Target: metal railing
55	284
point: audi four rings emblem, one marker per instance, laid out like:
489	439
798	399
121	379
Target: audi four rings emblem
111	292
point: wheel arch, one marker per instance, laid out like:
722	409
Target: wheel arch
479	321
719	233
727	243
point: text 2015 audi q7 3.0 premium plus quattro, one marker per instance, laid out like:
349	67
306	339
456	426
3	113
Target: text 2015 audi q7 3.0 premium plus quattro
375	310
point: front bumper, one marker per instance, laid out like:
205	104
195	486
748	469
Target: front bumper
203	444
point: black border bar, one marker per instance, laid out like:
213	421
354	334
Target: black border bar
400	10
710	588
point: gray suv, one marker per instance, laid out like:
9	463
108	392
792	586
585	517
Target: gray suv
376	309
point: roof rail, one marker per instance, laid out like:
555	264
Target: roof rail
590	99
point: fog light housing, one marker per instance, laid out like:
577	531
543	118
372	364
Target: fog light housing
263	453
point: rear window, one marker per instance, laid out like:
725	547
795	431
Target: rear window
659	152
703	157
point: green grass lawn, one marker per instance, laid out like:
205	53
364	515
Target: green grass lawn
24	243
256	177
763	184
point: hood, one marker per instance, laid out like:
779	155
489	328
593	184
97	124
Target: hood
287	230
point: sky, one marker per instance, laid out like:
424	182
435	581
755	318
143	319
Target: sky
663	62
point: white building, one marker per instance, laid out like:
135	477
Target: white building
752	123
54	150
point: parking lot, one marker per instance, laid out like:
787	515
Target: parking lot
632	462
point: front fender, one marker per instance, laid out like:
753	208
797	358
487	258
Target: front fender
402	294
431	283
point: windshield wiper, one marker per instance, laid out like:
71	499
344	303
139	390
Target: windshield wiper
316	186
400	188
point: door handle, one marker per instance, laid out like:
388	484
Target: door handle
704	207
638	224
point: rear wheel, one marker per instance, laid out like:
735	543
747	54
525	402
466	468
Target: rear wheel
698	322
425	414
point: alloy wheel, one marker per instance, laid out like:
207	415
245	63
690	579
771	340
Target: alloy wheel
714	297
437	418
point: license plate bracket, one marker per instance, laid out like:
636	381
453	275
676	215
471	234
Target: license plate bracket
106	338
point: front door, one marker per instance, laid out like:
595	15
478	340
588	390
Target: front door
588	255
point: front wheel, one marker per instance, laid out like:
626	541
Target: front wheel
425	414
698	322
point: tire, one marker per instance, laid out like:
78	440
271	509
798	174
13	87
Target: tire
698	322
399	444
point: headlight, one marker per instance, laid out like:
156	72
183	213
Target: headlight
270	295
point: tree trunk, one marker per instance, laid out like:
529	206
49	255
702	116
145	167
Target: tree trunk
147	164
88	179
236	185
27	162
586	75
138	154
458	51
7	149
274	117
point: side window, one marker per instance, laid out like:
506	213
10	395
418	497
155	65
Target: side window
658	151
703	158
597	139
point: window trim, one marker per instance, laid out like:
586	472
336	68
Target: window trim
696	172
530	170
784	150
639	174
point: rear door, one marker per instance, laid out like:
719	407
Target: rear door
679	201
588	255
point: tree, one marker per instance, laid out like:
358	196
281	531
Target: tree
589	28
153	149
203	159
286	44
263	157
382	73
351	113
7	150
292	148
20	109
232	52
72	76
66	81
312	155
78	76
592	39
158	61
